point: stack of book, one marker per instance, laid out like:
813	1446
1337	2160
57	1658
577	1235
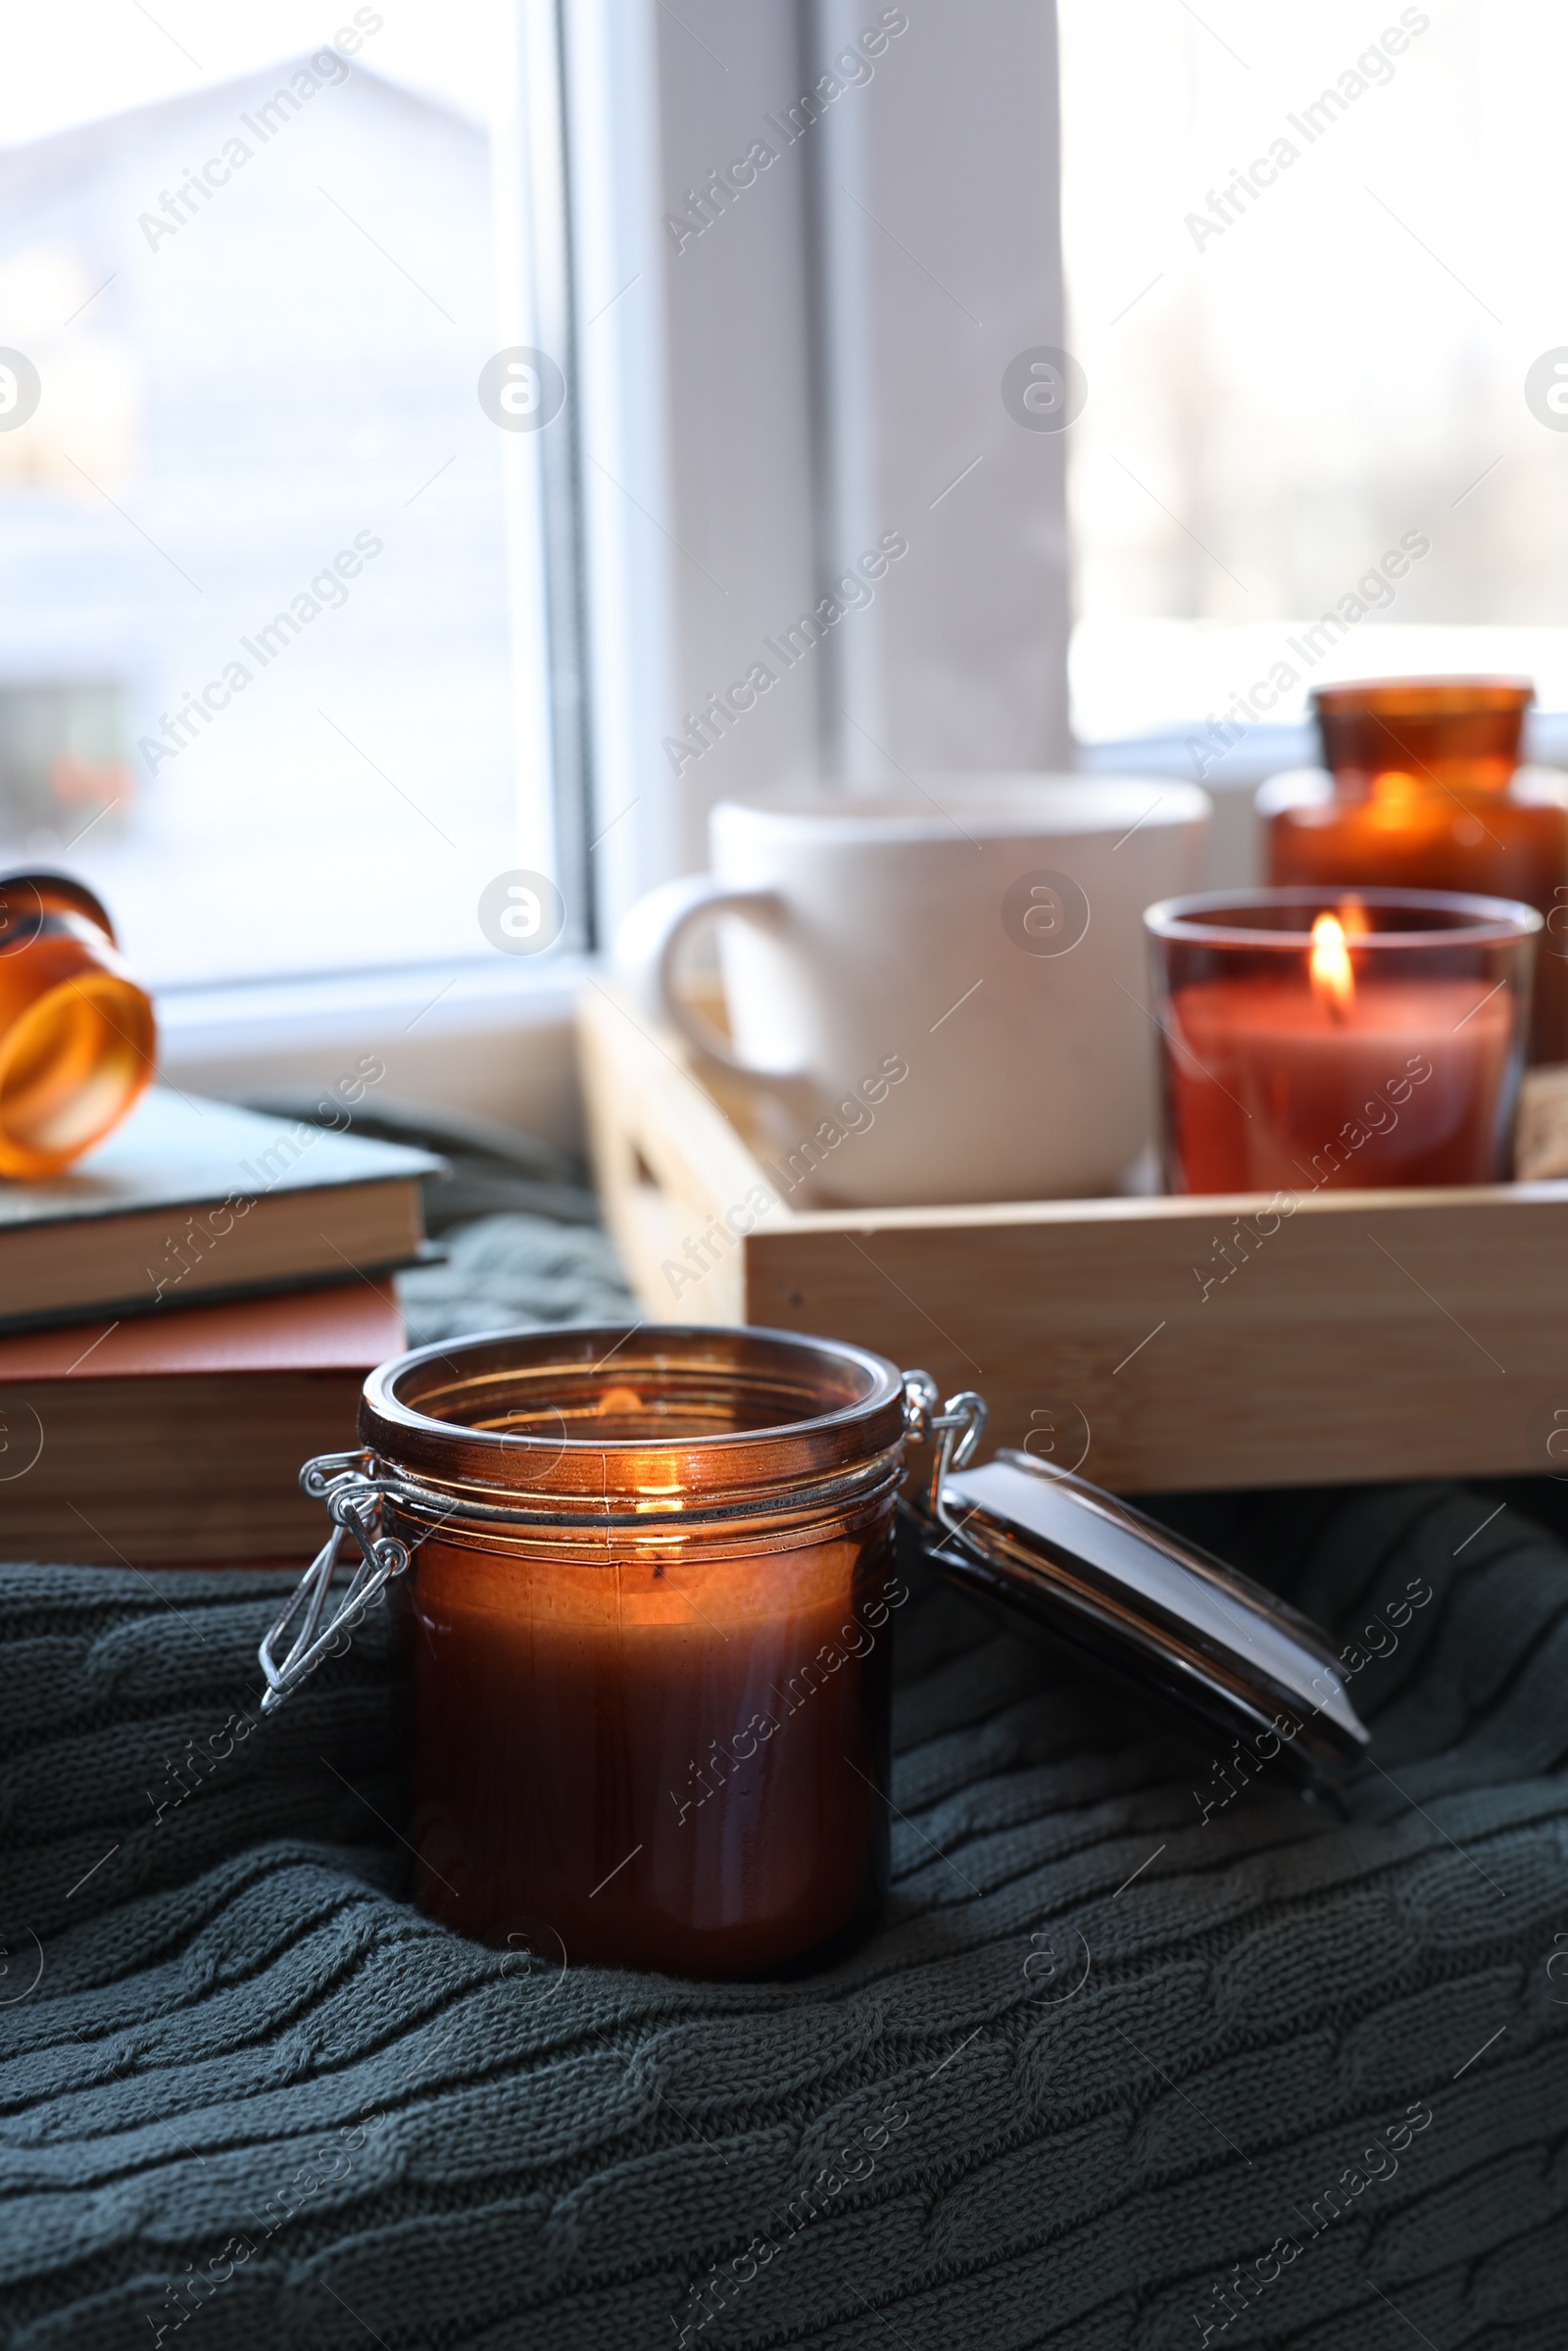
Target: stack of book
186	1317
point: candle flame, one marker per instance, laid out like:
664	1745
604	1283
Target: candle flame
1333	982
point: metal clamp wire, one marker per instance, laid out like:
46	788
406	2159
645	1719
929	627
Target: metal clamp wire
354	1503
957	1431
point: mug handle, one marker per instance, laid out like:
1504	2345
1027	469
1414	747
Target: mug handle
647	948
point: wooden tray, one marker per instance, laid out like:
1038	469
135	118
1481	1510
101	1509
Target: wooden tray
1370	1335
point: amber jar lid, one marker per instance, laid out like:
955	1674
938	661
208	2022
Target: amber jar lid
1459	733
27	899
79	1036
1425	697
605	1426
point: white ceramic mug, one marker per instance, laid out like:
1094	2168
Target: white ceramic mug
936	992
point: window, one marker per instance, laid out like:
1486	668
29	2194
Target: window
276	644
1314	261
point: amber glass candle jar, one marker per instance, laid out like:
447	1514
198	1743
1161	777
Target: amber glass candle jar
1425	795
78	1039
649	1604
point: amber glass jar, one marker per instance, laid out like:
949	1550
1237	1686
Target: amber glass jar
1426	795
77	1040
649	1602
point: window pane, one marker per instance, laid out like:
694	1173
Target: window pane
270	677
1312	256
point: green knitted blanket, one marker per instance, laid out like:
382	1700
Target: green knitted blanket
1147	2052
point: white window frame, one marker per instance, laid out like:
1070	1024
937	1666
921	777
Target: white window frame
821	366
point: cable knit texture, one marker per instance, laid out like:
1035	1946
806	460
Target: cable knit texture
1114	2074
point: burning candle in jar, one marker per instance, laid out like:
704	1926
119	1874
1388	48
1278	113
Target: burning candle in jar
649	1602
613	1546
1311	1039
1424	792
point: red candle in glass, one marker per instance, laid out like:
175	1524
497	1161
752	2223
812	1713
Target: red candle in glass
1340	1038
1424	795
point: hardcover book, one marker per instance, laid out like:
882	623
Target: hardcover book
178	1440
193	1201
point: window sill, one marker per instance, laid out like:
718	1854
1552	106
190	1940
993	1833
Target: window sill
495	1038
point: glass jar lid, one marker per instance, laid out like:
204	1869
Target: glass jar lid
1133	1599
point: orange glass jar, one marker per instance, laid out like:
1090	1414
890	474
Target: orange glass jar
648	1594
1425	794
77	1038
647	1598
